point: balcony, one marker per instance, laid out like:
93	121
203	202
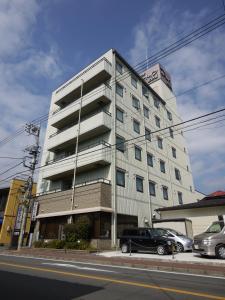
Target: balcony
91	101
90	127
91	196
89	158
93	76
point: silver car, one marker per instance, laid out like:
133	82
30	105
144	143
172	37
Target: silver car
183	242
212	241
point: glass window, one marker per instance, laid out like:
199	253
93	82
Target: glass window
139	184
157	121
136	126
152	188
145	91
135	102
120	178
134	81
160	143
119	89
120	143
162	166
156	102
177	174
137	153
169	115
119	114
147	134
174	152
150	159
146	112
180	197
165	192
119	68
171	133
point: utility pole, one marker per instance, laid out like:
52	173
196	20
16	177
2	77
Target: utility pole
33	152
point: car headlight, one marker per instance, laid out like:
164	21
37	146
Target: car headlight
169	243
206	242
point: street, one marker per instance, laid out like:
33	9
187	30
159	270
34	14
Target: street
29	278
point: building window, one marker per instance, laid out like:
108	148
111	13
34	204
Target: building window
152	188
134	81
146	112
137	151
187	168
136	126
165	192
119	114
174	152
160	143
156	102
119	89
157	121
147	134
171	133
139	184
119	68
180	197
120	178
120	143
135	103
184	150
169	115
162	166
191	188
177	174
145	91
149	159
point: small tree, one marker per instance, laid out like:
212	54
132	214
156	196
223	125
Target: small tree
80	230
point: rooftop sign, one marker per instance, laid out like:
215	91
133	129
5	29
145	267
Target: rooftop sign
155	73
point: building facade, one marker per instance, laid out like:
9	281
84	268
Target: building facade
127	165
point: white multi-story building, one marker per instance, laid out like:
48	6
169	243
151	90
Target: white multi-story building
126	166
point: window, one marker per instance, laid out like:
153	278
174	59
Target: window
165	192
150	159
119	68
136	126
177	174
139	184
135	103
152	188
171	133
157	121
162	166
187	168
119	89
145	91
169	115
191	188
180	197
184	150
134	81
156	102
147	134
174	152
146	112
160	143
120	178
120	143
119	114
137	151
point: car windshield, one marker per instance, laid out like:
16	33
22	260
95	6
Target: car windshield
216	227
158	232
177	233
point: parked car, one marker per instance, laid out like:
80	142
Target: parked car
212	241
183	242
146	239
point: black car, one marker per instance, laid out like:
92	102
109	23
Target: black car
146	239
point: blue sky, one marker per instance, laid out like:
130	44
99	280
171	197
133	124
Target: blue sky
43	43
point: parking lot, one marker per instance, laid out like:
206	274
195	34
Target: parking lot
183	257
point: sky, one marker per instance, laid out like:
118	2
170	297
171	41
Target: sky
45	42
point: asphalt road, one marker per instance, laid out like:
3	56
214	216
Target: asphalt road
28	278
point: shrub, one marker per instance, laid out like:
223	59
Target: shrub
71	245
80	230
38	244
56	244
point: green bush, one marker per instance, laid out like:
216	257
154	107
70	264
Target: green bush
38	244
56	244
71	245
80	230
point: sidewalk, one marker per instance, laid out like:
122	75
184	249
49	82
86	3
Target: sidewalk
146	261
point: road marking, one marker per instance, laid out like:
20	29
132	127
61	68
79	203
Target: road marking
115	266
77	267
116	281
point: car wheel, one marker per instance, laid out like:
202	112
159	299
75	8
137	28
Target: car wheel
124	248
220	251
180	247
161	250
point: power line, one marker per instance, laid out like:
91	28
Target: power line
13	167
